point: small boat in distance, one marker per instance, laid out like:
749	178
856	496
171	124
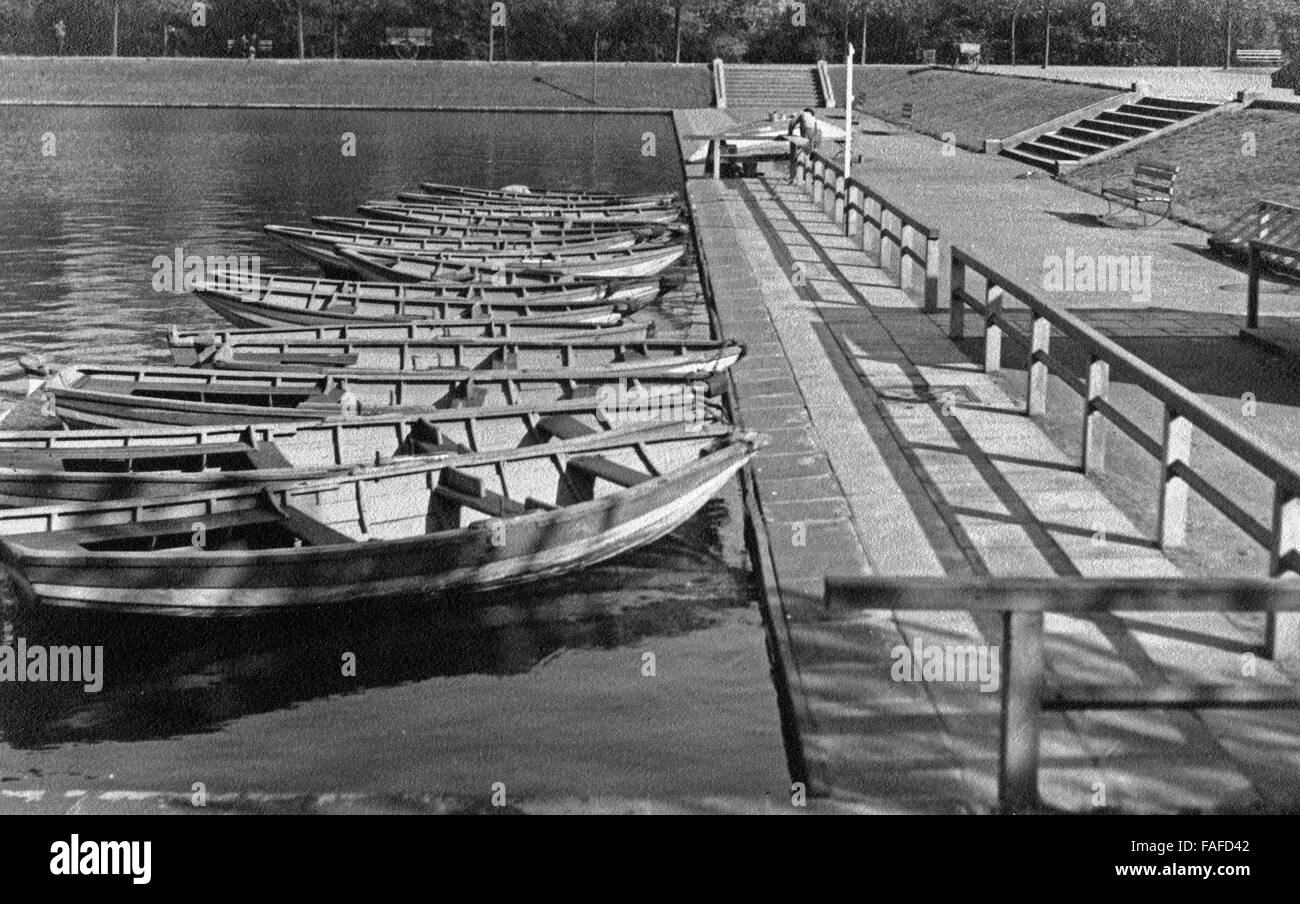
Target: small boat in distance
559	199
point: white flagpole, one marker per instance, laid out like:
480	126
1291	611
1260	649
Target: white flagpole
848	115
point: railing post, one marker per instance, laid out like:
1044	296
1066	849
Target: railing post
957	303
871	227
819	180
1282	630
853	210
1094	422
992	331
840	214
1022	684
717	159
932	264
884	239
1176	449
904	259
1252	287
1036	378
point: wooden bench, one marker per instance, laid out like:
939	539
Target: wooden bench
1248	57
1152	184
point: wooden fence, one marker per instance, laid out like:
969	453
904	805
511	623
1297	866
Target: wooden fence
906	248
1184	412
1022	602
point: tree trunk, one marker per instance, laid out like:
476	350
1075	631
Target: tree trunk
115	12
302	45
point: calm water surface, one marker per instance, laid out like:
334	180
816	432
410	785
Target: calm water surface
79	231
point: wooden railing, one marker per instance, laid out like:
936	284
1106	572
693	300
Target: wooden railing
1184	412
907	248
1022	602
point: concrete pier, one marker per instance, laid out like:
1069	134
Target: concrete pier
894	454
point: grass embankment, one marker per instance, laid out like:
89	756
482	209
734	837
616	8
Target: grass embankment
1218	179
971	106
379	83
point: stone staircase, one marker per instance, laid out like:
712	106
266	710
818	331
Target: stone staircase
773	87
1073	145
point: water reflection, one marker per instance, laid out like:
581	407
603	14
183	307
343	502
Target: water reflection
163	678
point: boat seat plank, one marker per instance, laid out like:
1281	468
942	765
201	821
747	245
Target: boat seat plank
489	503
311	531
563	426
603	468
268	455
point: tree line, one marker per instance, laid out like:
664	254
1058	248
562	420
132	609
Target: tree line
1081	32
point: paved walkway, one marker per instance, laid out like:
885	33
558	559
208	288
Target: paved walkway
893	454
1167	81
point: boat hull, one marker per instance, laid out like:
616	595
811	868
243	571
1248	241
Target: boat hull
485	555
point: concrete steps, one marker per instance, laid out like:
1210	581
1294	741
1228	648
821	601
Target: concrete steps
1075	144
776	87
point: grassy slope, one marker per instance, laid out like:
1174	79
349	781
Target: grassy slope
366	82
971	106
1217	180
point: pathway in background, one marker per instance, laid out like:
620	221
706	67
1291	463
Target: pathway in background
1172	81
893	454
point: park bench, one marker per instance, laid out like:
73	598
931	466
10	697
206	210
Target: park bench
1259	58
1274	244
1152	185
968	54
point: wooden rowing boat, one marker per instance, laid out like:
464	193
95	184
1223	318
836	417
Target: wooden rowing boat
279	302
128	396
466	208
268	350
45	467
186	343
513	232
458	194
428	528
431	215
526	194
318	245
632	263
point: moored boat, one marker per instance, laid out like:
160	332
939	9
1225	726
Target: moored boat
470	208
45	467
632	263
277	301
526	193
411	528
124	395
496	219
269	350
318	245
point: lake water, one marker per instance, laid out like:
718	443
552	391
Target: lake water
544	688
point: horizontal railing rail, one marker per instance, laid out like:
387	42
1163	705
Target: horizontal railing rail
1025	694
1184	412
883	227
